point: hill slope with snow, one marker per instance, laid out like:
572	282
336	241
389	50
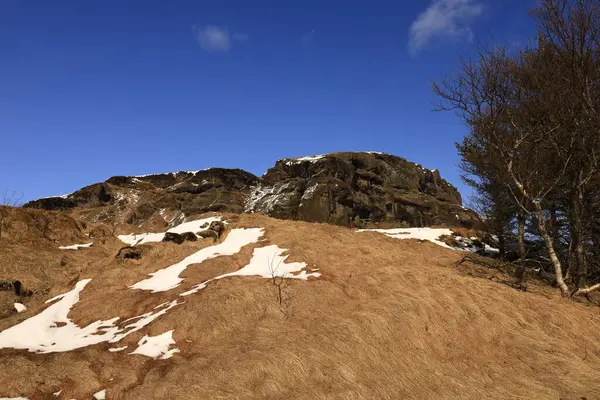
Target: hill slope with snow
280	309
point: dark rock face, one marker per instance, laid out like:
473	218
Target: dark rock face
359	189
350	189
187	192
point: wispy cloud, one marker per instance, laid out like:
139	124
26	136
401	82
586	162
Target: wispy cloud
215	38
443	18
308	38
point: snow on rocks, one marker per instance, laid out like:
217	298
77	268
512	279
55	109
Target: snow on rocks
75	246
292	161
309	192
266	262
173	173
168	278
191	226
156	347
430	234
265	198
20	307
101	395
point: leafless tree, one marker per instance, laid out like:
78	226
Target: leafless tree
534	113
281	282
9	199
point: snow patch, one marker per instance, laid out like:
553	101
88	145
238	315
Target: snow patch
168	278
62	196
20	307
434	234
52	331
76	246
191	226
266	262
309	192
173	173
115	349
156	346
292	161
430	234
101	395
41	333
143	320
265	198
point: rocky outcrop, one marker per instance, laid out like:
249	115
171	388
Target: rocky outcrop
136	199
358	189
351	189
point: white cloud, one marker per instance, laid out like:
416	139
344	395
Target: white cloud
443	18
215	38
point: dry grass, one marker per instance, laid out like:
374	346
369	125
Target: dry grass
389	319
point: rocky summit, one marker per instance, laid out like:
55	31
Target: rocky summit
349	189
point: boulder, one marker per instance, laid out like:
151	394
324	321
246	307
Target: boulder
129	252
189	236
180	237
16	286
208	233
173	237
218	227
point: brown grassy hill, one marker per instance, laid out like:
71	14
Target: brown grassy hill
387	319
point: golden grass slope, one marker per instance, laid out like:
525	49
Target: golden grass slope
388	319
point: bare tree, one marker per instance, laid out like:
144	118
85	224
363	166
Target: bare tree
281	281
9	199
534	113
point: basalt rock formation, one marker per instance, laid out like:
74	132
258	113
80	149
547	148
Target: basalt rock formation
350	189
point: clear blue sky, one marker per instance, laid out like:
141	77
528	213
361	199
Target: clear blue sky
92	89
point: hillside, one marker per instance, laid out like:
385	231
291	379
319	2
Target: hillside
350	189
360	315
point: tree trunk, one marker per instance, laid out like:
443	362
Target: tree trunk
521	237
501	244
572	263
577	237
555	226
564	289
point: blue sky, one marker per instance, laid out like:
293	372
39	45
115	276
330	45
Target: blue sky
92	89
